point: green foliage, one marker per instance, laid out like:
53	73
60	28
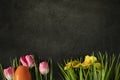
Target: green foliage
1	73
109	70
15	62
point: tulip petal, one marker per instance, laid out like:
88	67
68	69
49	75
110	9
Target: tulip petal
30	61
44	68
23	61
8	73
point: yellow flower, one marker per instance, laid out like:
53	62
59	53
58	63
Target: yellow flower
74	64
85	65
68	65
89	60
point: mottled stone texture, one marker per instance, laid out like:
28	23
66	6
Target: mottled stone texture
58	28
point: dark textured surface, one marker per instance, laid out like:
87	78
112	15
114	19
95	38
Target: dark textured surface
58	28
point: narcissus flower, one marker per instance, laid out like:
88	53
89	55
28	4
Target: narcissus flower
73	64
89	60
85	64
44	68
8	73
27	61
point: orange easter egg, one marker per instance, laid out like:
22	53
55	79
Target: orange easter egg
22	73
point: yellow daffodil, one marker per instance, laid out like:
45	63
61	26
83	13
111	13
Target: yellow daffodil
74	64
89	60
68	65
85	65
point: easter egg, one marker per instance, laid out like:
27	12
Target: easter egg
22	73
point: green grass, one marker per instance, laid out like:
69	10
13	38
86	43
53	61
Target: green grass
110	69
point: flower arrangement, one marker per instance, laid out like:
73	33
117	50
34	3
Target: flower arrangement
27	68
102	67
99	67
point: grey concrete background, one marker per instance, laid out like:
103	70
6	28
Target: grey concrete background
58	28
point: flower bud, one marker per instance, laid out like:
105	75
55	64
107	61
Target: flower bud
27	61
8	73
44	68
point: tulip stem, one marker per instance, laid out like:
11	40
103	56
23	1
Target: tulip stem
45	77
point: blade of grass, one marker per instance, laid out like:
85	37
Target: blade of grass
1	73
117	69
94	73
110	68
80	74
51	69
36	70
72	74
102	72
85	74
65	75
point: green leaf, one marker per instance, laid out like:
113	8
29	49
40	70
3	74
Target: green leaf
110	68
72	74
94	73
51	69
117	69
1	73
80	74
36	70
65	75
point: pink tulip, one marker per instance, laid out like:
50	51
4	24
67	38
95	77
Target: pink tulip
8	73
27	61
44	68
30	60
24	61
